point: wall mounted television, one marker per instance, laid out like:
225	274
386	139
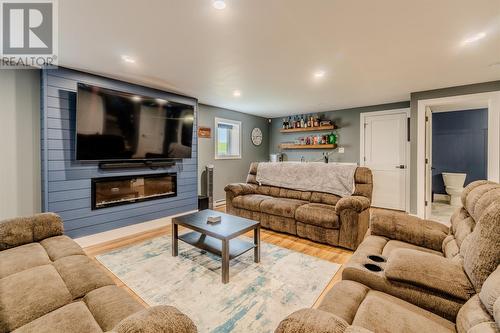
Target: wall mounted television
119	126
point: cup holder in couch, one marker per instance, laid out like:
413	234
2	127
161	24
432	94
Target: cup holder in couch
376	258
373	268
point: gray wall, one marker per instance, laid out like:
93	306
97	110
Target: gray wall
429	94
19	142
229	171
348	134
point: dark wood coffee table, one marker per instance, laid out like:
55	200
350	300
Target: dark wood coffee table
219	239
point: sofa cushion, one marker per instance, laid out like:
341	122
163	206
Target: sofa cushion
268	190
410	229
30	294
294	194
281	206
81	275
461	226
250	201
481	249
450	247
310	320
381	312
111	304
324	198
490	292
24	230
393	245
74	318
471	314
22	257
160	318
344	299
474	196
61	246
429	271
470	187
364	182
318	214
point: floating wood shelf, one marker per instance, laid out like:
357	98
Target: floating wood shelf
295	146
308	129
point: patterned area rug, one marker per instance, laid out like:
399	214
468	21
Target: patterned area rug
256	299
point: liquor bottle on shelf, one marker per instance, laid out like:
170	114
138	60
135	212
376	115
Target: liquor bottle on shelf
316	121
302	121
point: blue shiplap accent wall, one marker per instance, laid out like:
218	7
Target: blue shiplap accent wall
459	144
66	183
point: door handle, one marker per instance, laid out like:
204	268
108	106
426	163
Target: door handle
401	166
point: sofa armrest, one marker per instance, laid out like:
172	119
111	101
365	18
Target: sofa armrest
23	230
356	203
429	271
403	227
312	320
162	318
240	188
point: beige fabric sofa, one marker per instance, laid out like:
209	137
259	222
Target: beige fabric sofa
428	264
351	307
48	284
321	217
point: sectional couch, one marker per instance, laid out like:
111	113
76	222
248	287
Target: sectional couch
48	284
414	275
321	217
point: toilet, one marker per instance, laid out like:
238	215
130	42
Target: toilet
454	184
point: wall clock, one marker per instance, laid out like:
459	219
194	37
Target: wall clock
257	136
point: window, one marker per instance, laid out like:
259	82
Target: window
227	139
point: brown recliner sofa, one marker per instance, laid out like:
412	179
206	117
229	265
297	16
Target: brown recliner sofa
426	263
411	275
48	284
321	217
351	307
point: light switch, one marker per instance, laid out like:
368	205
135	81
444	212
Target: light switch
341	150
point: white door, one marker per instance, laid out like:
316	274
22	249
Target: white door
385	149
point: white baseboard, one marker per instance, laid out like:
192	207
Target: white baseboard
114	234
219	203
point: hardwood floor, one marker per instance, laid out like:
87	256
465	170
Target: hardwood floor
322	251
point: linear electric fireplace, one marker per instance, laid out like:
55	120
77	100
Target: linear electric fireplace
114	191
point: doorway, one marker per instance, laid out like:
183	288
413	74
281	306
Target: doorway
489	100
384	148
457	154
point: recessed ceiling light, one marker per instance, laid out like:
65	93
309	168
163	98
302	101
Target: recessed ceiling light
236	93
219	4
161	101
473	38
136	98
319	74
128	59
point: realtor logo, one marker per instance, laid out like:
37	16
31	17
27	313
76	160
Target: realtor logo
28	33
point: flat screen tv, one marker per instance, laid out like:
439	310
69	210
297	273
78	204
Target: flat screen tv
119	126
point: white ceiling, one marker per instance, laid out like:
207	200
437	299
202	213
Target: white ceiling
372	51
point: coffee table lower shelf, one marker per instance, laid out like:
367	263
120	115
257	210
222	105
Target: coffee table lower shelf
236	246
